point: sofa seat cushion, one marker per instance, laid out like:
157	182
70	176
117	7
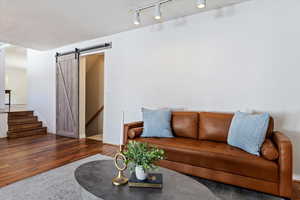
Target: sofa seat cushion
217	156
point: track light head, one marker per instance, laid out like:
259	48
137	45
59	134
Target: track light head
137	18
201	3
157	14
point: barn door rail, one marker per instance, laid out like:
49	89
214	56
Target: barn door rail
84	50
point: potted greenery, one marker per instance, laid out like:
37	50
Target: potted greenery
141	158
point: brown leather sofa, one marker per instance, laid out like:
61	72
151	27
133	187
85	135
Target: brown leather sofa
200	148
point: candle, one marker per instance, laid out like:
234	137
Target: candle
122	129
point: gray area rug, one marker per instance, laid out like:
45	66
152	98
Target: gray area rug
56	184
226	192
60	184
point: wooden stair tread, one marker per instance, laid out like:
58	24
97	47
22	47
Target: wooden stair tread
37	124
25	129
19	117
20	113
22	117
24	120
37	131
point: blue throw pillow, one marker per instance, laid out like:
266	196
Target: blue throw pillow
157	123
248	131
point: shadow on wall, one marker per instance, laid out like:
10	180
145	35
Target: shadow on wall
221	12
225	12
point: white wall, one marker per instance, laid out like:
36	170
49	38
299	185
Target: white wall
241	57
16	81
2	79
3	125
15	73
41	86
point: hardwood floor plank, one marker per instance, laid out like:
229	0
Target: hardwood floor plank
24	157
296	190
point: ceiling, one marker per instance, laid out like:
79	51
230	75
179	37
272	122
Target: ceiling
42	25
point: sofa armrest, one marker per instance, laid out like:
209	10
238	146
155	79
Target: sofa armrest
129	126
285	161
135	132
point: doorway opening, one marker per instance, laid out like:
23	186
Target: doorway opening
92	96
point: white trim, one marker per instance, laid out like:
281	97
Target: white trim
106	94
100	52
3	125
2	78
296	177
82	97
4	46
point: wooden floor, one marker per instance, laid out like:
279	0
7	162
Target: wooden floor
24	157
296	190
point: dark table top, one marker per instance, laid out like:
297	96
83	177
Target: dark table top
96	178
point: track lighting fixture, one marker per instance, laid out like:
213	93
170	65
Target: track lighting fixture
156	6
157	14
157	11
201	3
137	18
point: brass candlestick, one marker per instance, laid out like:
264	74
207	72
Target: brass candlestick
120	179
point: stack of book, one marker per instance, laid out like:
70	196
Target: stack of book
152	181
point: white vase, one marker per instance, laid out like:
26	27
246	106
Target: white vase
140	173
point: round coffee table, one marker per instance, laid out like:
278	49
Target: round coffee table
94	179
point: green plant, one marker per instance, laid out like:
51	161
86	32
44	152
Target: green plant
142	154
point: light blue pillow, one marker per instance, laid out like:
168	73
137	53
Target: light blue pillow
248	131
157	123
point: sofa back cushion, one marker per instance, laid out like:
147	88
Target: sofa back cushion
270	128
215	126
185	124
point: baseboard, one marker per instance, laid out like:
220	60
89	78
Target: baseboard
114	145
296	177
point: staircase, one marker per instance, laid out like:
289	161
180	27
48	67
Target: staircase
23	124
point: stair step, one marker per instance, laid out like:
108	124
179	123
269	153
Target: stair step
25	120
37	131
24	127
20	113
19	117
